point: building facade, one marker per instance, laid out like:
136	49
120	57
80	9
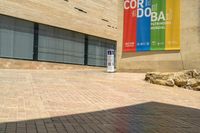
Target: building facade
63	31
80	32
188	57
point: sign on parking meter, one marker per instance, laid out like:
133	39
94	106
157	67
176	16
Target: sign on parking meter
110	60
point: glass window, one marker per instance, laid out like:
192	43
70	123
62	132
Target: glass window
97	50
60	45
54	44
16	38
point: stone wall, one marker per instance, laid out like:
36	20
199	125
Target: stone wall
187	58
100	19
26	64
62	14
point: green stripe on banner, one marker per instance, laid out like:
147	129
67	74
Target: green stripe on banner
158	20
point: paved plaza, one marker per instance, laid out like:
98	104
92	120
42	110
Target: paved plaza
91	100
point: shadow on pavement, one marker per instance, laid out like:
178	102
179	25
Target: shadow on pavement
149	117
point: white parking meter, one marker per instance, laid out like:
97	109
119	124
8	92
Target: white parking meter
110	60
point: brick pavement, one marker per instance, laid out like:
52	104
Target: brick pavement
88	101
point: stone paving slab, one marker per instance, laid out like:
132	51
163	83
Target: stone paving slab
89	101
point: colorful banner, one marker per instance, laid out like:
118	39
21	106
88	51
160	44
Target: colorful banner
151	25
143	26
130	20
173	25
158	24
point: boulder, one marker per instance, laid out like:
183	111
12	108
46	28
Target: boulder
189	79
170	82
180	82
157	75
160	82
197	88
196	74
193	82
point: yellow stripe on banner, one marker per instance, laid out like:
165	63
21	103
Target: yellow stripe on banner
172	32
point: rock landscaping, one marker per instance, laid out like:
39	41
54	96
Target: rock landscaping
188	79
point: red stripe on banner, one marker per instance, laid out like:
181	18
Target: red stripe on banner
130	25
